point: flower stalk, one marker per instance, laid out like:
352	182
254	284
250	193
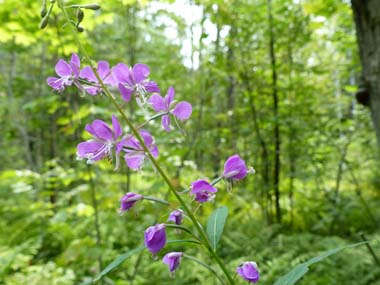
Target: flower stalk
136	133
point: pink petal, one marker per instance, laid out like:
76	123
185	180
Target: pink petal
100	130
75	64
170	96
88	74
140	72
116	126
134	162
125	92
166	122
103	69
62	68
157	103
89	147
182	110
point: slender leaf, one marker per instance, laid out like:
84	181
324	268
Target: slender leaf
121	258
215	225
301	269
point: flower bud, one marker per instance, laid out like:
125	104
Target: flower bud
203	191
249	271
80	15
155	238
43	11
235	168
128	200
176	216
93	6
44	22
80	29
172	259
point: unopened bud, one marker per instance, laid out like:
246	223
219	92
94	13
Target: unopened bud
80	15
43	9
93	6
80	29
44	22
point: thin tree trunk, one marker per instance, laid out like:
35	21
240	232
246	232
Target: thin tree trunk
277	143
367	15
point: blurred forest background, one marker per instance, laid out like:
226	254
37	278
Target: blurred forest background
275	83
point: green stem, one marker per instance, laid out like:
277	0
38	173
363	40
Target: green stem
208	267
181	228
135	132
151	119
153	199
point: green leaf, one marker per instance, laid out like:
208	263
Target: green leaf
121	258
301	269
215	225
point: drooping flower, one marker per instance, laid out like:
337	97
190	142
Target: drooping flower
172	259
105	74
68	74
176	216
155	238
134	80
203	191
235	168
182	110
135	153
249	271
105	139
128	200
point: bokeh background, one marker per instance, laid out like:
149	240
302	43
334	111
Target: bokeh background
316	185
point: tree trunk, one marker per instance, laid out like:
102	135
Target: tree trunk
276	174
367	21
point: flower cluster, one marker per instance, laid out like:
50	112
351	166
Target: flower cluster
108	141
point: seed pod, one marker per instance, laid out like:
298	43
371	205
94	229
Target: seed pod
43	9
80	15
44	22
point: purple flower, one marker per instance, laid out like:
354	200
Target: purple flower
68	74
203	191
128	200
104	140
135	153
172	259
134	80
105	74
235	168
182	110
249	271
176	216
155	238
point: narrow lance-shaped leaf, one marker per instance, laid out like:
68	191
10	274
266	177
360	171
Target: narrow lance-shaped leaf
121	258
301	269
215	225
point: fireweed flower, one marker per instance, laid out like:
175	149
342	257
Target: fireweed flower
134	80
182	110
128	200
68	74
105	139
155	238
176	216
172	259
203	191
249	271
135	153
105	74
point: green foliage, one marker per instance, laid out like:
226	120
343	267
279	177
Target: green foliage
219	61
215	225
